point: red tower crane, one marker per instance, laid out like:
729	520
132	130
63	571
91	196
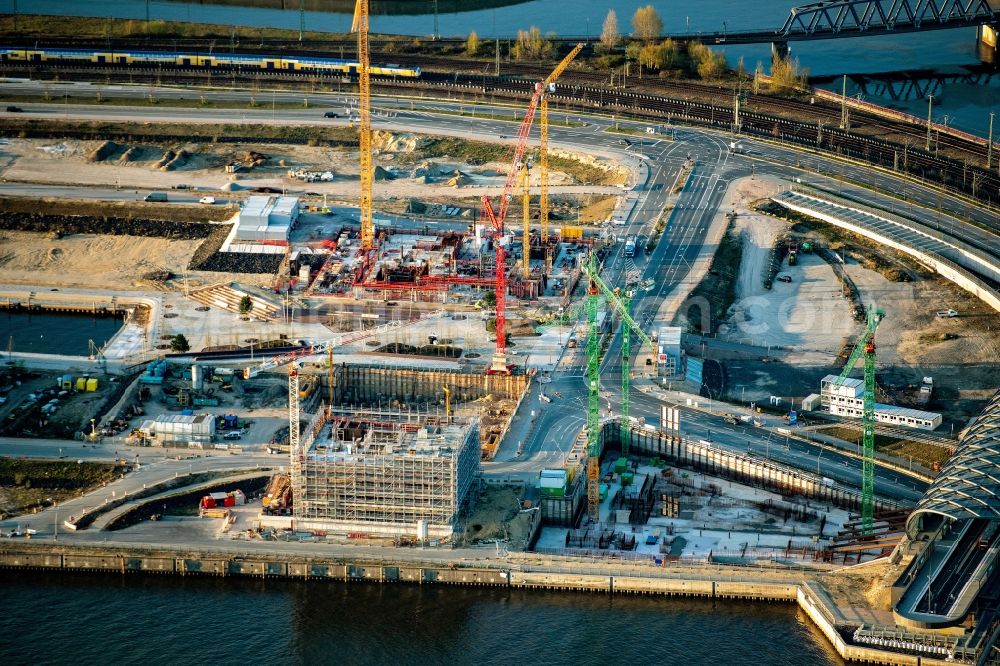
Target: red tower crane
499	363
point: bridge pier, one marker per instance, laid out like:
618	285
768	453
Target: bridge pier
779	51
986	41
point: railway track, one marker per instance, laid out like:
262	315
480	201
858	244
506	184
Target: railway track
871	139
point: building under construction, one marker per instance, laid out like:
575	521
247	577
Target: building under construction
382	478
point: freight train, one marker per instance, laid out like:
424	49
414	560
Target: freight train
227	61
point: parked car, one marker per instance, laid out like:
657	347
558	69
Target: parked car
947	313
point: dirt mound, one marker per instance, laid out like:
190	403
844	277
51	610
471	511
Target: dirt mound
103	151
498	515
167	158
180	159
252	158
232	187
458	179
391	142
383	174
425	169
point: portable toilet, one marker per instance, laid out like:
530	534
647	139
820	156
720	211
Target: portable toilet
81	383
92	384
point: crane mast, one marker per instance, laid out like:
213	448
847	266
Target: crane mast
626	376
543	171
526	230
620	305
498	365
360	26
593	397
866	348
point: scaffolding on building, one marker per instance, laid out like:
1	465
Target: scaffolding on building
379	477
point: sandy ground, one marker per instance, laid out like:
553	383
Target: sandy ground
67	162
88	261
809	315
962	354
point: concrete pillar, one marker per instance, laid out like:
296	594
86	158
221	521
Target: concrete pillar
779	51
986	40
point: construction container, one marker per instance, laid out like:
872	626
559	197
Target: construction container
627	479
602	490
552	482
204	401
213	500
81	383
66	382
621	465
92	384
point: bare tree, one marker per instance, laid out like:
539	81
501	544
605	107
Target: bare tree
609	33
472	44
646	23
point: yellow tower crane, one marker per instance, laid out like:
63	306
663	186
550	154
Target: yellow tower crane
543	147
360	26
447	403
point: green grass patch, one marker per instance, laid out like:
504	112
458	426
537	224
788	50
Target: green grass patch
153	132
924	453
147	101
718	287
469	151
29	484
583	172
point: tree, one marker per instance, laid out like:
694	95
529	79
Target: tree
246	305
180	344
531	45
472	44
708	63
658	56
787	76
646	23
633	51
609	33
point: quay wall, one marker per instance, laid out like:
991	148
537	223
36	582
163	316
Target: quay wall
123	560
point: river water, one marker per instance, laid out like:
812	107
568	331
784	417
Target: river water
98	619
966	105
50	333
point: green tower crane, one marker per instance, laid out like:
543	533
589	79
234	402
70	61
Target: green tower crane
620	305
866	347
626	376
593	398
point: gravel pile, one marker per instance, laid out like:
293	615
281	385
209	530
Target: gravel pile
240	262
116	226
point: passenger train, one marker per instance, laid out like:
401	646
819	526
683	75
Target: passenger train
202	60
